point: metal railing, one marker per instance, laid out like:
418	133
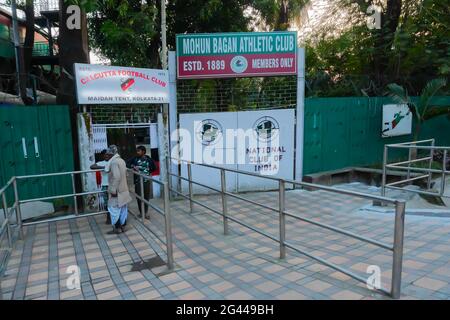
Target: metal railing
165	212
396	248
420	173
9	228
6	227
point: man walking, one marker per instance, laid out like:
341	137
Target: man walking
144	164
119	195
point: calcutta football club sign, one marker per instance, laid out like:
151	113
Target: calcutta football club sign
97	84
249	54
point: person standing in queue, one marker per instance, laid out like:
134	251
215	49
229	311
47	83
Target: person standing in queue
119	195
144	164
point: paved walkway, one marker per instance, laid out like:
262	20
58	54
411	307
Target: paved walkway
242	265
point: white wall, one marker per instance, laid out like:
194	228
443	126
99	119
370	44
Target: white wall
282	140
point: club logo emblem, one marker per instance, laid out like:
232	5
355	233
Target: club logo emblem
239	64
126	84
208	132
266	128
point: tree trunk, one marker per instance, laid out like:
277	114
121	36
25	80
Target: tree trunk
73	47
283	16
384	39
26	53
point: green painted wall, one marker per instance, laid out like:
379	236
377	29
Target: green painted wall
6	46
51	126
344	132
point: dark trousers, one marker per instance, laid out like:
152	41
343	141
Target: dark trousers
137	190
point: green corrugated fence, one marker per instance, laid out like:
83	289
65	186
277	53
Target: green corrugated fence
345	132
35	140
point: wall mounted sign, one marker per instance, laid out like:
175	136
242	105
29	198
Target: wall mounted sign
397	120
98	84
219	134
220	55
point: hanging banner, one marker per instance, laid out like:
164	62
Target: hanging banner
248	54
98	84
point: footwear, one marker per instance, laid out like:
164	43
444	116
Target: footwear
147	216
122	228
114	231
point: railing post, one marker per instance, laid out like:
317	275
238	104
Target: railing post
168	224
224	201
444	169
141	183
282	208
430	174
75	202
191	193
398	249
19	212
179	180
383	181
5	212
408	175
169	176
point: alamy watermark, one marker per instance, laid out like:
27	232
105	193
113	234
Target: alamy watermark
74	17
73	282
374	280
259	146
374	17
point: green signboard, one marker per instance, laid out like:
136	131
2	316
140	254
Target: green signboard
236	54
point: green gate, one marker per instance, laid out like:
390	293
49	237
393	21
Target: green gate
35	140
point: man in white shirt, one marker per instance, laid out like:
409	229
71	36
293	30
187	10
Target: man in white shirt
103	184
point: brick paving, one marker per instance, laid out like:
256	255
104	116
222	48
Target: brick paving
242	265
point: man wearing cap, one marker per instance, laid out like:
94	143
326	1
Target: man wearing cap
119	195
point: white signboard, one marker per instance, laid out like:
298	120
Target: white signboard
259	142
208	143
98	84
397	120
274	153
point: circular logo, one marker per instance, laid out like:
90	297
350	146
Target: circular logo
239	64
208	132
266	128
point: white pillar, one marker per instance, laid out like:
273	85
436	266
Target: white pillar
87	158
300	114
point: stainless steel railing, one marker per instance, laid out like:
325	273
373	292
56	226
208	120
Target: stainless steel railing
406	166
396	248
8	228
7	225
165	212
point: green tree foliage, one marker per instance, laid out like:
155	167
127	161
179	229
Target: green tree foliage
125	32
411	48
278	14
423	109
128	32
